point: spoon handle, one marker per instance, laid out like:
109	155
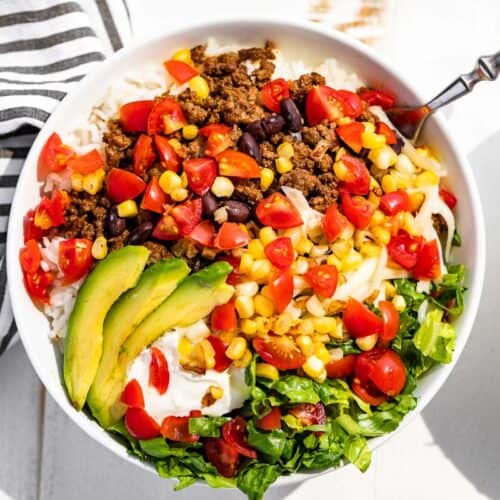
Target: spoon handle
487	68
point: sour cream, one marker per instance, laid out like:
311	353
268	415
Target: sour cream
186	389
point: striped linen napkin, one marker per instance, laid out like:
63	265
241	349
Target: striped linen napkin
46	47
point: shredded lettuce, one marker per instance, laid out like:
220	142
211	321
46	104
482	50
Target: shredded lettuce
207	426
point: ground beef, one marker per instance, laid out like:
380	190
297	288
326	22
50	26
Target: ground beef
327	192
301	179
158	252
302	157
301	87
117	144
248	191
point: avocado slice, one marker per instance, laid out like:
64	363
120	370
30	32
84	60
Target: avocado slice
192	300
112	276
155	285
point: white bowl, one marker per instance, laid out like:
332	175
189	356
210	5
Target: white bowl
297	40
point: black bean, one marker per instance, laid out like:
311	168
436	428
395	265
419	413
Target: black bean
116	225
247	144
291	114
140	234
237	211
273	124
255	128
209	203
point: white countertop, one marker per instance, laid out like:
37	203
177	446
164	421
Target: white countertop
453	449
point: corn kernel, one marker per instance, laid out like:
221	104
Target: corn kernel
127	209
352	261
100	248
261	269
383	157
369	250
305	344
367	343
416	200
369	127
340	170
169	181
256	249
248	326
285	150
314	307
266	178
77	182
390	289
176	145
333	260
93	183
408	223
326	324
227	337
265	290
283	165
216	391
244	306
404	165
246	262
321	351
399	303
179	194
370	140
248	288
403	181
319	251
306	326
341	248
304	245
427	178
263	305
199	86
314	368
340	152
236	348
263	325
295	235
344	120
222	187
184	346
266	370
220	215
245	360
183	55
283	323
189	132
267	234
208	354
378	217
360	237
322	338
184	180
381	235
389	184
300	266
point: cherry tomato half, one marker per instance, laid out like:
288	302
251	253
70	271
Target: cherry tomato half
372	397
404	249
234	432
323	103
281	289
341	368
75	258
132	395
309	414
169	159
134	116
390	318
165	117
333	222
384	129
214	128
37	285
395	202
376	97
201	173
231	236
144	155
428	265
448	197
30	230
204	233
54	156
351	103
280	252
271	420
350	135
30	257
177	429
280	351
223	318
389	373
187	215
222	362
357	176
278	212
140	424
322	279
122	185
50	212
273	92
218	138
159	375
358	210
87	163
222	455
166	229
237	164
154	198
359	320
180	71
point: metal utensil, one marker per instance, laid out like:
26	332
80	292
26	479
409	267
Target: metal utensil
410	120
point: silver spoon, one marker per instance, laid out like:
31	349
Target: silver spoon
410	120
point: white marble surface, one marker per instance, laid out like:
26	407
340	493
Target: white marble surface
453	449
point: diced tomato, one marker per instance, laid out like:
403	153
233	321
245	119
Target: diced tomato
201	173
154	198
75	258
273	92
341	368
167	229
235	276
37	285
333	222
222	455
372	398
223	317
395	202
204	234
376	97
309	414
359	321
165	117
180	71
222	362
214	128
237	164
278	212
389	373
134	116
384	129
280	252
169	159
428	265
280	351
357	177
358	210
122	185
144	155
54	156
159	376
351	103
234	432
177	429
140	424
218	138
187	215
324	103
404	249
448	197
281	288
390	318
271	420
50	212
231	236
132	395
30	257
350	135
87	163
30	230
322	279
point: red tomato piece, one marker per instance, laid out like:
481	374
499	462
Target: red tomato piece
54	156
187	215
448	197
280	351
30	257
373	398
237	164
350	135
204	234
278	212
222	455
218	138
384	129
87	163
122	185
154	198
231	236
428	266
309	414
37	285
351	103
50	212
322	279
359	320
30	230
222	362
234	432
201	173
390	318
140	424
280	252
165	117
180	71
281	288
333	222
341	368
159	376
177	429
273	92
375	97
271	420
144	155
75	258
234	276
169	159
132	395
404	249
357	178
358	210
214	128
395	202
223	317
167	229
323	103
134	116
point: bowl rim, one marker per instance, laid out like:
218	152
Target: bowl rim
364	51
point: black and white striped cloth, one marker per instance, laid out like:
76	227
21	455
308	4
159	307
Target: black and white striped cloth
46	46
